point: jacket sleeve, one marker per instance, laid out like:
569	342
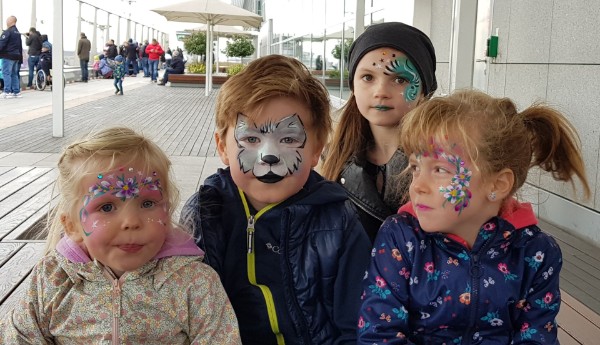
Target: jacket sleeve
212	320
79	47
354	259
383	316
538	324
4	39
26	323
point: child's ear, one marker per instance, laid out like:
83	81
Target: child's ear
222	148
316	156
502	183
71	228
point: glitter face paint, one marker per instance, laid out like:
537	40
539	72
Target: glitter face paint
404	68
270	150
116	190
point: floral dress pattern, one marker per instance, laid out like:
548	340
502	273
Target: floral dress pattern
173	300
427	288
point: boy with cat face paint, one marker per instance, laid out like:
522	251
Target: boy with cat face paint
287	244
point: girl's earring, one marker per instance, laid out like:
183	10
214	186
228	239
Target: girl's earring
492	196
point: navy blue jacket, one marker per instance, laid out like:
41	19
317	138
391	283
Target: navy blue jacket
429	288
323	253
11	45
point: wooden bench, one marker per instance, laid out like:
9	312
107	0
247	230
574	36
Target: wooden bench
25	194
194	80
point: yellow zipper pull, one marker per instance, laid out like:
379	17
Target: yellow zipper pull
250	237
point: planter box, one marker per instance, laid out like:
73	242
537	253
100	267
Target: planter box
194	80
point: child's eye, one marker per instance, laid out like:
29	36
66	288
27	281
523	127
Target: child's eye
400	80
367	77
413	168
252	140
441	170
148	203
106	208
288	140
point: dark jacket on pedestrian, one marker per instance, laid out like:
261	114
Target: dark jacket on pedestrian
131	51
83	48
11	45
359	178
310	253
177	65
111	51
34	42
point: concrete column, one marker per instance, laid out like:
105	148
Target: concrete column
1	14
359	20
128	29
135	31
107	28
95	33
33	14
422	16
118	42
462	44
58	92
78	26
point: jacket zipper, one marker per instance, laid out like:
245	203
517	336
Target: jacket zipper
116	310
116	284
251	267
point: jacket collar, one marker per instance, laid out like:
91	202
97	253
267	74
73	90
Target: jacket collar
519	215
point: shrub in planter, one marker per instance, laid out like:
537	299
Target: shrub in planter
199	68
234	69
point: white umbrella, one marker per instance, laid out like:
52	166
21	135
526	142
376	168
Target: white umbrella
209	12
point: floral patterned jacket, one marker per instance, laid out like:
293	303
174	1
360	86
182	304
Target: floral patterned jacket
169	300
428	288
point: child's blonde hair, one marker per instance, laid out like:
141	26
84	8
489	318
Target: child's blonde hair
268	77
103	151
496	136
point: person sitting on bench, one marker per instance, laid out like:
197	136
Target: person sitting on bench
177	67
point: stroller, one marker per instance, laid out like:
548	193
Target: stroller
43	77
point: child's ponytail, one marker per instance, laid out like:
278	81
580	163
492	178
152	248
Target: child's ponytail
555	144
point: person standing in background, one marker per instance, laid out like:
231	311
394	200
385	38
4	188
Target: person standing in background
83	52
34	42
11	52
154	51
144	59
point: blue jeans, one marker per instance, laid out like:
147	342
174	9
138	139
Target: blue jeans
153	69
134	64
145	67
83	64
12	80
32	61
118	83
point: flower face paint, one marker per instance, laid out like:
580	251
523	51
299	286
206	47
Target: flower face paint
439	178
124	217
271	156
270	150
386	86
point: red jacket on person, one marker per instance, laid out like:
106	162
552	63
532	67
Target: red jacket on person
154	51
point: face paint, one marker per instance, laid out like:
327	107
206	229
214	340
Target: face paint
457	192
404	68
114	191
272	150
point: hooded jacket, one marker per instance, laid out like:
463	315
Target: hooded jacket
173	299
429	288
308	252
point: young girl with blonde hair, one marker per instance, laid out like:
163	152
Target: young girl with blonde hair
116	268
464	261
392	69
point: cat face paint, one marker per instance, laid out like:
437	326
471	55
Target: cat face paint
271	150
404	68
113	192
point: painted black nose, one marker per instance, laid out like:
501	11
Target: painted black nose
270	159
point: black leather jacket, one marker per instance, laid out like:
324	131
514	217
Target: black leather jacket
323	256
362	190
